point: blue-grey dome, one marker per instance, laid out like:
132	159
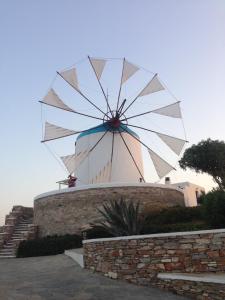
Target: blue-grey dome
104	127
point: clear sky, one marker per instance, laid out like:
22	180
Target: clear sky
184	41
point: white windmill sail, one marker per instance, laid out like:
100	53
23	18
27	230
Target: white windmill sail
98	65
71	77
172	110
80	157
70	162
53	99
153	86
73	161
53	132
161	166
173	143
128	71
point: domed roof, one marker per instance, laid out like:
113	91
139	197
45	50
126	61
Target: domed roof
105	127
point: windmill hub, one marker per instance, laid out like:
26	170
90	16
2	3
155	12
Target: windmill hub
114	122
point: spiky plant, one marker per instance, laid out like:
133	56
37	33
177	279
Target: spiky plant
121	218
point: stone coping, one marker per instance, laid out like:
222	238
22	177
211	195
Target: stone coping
156	235
76	255
106	185
199	277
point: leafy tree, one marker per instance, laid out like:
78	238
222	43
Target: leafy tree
206	157
121	218
214	208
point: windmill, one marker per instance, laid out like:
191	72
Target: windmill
112	150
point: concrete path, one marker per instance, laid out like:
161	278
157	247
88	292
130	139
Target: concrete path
60	278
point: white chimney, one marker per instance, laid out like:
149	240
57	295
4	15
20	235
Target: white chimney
167	180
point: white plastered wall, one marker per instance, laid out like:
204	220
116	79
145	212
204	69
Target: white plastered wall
189	190
97	167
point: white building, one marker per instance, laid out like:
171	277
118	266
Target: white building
191	191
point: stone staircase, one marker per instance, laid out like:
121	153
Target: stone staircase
18	227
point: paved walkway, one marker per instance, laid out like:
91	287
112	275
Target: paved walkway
60	278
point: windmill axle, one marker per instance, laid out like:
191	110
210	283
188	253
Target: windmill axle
114	122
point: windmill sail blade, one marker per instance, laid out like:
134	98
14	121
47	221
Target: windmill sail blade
153	86
71	77
98	66
175	144
53	99
53	132
69	162
128	70
80	157
172	110
161	166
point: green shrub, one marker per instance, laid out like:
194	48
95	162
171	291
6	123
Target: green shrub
214	209
50	245
175	215
177	227
97	232
174	219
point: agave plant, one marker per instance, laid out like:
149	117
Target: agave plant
121	217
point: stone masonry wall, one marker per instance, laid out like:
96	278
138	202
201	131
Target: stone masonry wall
68	212
194	289
138	259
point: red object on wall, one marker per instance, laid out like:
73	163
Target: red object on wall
72	181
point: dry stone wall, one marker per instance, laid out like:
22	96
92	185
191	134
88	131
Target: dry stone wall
138	259
198	290
67	212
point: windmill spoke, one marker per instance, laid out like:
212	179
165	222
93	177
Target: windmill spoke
121	107
151	111
118	100
131	155
78	91
149	149
98	142
175	144
153	131
54	132
43	141
92	148
73	111
112	152
113	137
106	99
139	94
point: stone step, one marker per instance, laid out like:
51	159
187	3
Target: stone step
22	228
17	234
24	223
21	234
76	255
7	256
2	252
12	246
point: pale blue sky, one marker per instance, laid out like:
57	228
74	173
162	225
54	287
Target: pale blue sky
184	41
